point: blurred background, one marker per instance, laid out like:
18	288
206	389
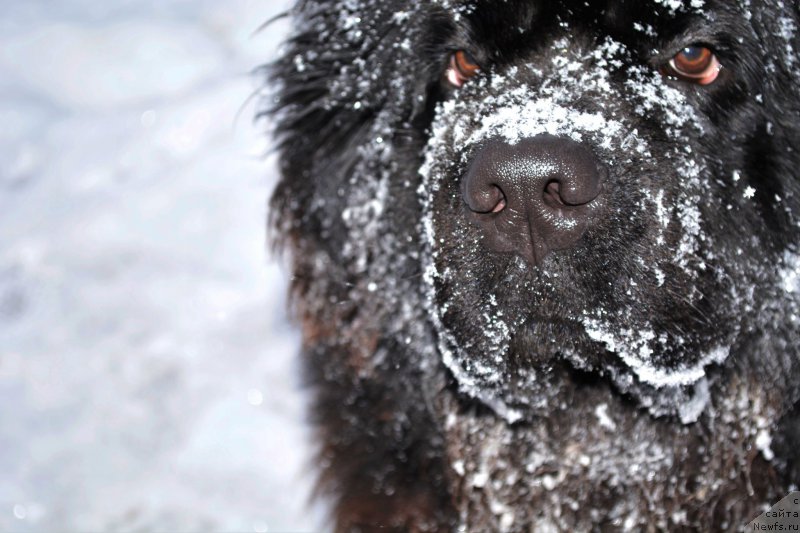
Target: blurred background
148	375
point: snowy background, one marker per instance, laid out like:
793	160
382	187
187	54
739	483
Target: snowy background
148	377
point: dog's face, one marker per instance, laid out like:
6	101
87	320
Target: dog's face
582	208
602	195
600	190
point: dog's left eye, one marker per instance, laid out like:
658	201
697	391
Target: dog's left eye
697	64
461	69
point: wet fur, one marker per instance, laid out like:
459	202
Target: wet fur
405	446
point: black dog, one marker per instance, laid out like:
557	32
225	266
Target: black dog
546	258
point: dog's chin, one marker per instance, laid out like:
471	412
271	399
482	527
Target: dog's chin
551	363
547	384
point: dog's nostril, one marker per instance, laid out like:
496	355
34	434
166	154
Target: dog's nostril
488	199
502	203
552	194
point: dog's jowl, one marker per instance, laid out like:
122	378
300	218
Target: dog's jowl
545	259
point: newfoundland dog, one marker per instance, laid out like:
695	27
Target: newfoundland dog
545	258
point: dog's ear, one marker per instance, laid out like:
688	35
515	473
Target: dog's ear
767	78
342	82
314	119
777	28
347	89
334	74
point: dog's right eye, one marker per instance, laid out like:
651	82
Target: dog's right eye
697	64
461	69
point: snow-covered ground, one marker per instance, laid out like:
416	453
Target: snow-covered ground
148	376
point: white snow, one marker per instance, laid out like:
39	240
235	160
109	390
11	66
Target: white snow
764	443
634	348
126	63
677	5
535	117
691	410
790	272
787	30
601	412
148	375
673	5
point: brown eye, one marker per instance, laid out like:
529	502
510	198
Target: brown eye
462	68
697	64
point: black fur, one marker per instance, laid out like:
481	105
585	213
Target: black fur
458	387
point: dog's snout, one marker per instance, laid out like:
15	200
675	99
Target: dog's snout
535	196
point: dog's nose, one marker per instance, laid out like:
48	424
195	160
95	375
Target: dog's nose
535	196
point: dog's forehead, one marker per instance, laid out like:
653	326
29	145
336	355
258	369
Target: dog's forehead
507	29
601	10
660	18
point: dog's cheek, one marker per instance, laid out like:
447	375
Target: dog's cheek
461	283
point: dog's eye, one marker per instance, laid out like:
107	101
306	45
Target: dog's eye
462	68
697	64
